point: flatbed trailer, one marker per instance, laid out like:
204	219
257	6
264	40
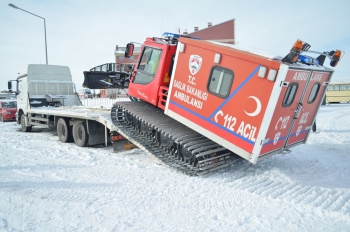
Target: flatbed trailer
47	98
97	120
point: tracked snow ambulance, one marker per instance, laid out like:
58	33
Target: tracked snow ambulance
197	103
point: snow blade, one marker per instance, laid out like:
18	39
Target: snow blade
106	80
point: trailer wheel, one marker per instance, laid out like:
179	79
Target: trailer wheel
64	131
80	134
23	125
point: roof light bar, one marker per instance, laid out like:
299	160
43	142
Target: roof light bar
307	60
169	35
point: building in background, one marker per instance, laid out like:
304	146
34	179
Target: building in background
222	32
122	60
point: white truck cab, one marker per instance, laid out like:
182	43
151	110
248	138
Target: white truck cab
40	85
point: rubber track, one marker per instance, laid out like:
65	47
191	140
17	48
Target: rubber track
210	156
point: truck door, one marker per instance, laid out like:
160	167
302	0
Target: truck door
22	93
308	106
145	82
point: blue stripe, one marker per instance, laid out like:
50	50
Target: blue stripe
211	122
235	91
283	137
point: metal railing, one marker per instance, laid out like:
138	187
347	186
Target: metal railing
103	102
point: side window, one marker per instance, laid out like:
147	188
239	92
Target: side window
220	81
330	88
336	87
290	95
343	87
150	59
313	93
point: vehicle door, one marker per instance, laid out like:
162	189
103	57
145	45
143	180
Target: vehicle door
22	94
287	109
309	105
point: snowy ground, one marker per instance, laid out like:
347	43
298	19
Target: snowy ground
49	186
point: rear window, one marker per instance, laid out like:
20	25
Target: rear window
313	93
290	94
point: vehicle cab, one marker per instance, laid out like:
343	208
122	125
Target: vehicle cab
152	73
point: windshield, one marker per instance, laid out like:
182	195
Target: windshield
148	65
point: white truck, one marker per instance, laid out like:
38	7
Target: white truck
47	98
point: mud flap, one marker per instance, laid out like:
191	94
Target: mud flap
96	133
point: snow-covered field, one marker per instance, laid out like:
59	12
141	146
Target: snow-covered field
46	185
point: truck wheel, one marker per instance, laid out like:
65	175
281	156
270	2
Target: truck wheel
23	125
80	134
64	131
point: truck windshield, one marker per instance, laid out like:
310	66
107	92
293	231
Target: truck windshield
148	65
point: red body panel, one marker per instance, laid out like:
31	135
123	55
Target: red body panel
236	118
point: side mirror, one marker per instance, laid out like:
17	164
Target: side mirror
9	86
129	51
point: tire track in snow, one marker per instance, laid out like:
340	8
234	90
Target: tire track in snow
318	197
336	120
285	189
340	202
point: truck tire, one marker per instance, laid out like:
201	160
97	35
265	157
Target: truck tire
80	135
23	125
64	131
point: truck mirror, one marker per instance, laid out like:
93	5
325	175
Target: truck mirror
9	85
129	50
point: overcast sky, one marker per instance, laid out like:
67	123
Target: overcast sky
83	34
